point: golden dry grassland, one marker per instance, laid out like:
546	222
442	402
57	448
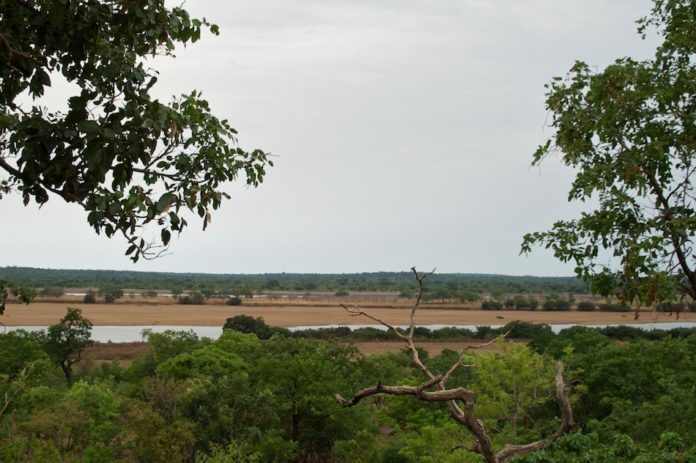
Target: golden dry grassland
124	314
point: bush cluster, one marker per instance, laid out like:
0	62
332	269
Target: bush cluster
192	298
614	308
556	305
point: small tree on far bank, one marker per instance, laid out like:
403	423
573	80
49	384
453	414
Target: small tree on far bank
65	341
586	306
111	294
193	298
90	297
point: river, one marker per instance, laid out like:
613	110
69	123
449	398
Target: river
105	333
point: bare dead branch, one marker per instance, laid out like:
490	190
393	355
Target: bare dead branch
355	312
417	391
460	401
459	363
11	51
567	422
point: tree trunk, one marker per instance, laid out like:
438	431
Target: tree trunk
67	371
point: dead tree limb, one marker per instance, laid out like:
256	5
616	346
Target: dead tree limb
459	400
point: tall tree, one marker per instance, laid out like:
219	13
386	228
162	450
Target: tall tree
129	160
66	340
630	131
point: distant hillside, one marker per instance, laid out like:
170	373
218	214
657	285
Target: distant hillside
455	284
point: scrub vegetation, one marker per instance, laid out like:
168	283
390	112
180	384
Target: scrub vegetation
263	394
241	398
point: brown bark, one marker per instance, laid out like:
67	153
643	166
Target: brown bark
460	401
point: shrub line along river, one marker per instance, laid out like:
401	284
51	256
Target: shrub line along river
134	333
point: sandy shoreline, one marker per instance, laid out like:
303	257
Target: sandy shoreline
40	314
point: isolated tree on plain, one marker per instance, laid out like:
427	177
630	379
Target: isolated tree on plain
66	340
630	131
192	298
90	297
127	159
111	294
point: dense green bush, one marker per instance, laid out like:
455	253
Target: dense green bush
90	297
192	298
276	395
524	330
614	308
556	305
248	324
586	306
491	305
323	333
529	303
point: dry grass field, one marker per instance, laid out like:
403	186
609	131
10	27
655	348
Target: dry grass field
38	314
121	352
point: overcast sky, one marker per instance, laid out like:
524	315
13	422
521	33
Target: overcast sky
403	133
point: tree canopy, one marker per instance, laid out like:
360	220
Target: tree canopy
65	341
630	131
128	159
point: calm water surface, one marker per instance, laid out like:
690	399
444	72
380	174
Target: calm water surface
104	333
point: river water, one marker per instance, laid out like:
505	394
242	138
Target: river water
104	333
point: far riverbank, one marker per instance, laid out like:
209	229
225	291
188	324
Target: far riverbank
41	314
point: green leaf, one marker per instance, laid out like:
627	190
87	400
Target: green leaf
166	201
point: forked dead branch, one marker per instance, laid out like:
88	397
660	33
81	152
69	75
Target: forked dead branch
460	401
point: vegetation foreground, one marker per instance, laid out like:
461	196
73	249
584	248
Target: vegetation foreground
130	161
268	396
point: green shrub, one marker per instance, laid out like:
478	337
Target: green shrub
556	305
586	306
196	297
248	324
614	308
523	330
491	305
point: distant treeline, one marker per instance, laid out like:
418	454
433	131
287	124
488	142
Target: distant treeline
454	286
